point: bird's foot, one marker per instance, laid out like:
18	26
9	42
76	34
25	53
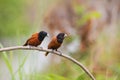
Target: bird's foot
41	47
53	51
29	46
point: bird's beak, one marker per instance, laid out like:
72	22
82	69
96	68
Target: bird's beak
65	35
47	35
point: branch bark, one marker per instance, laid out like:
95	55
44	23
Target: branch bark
46	50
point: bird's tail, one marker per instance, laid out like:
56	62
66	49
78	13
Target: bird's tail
25	44
46	53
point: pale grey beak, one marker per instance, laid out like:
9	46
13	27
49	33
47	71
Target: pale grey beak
47	35
65	35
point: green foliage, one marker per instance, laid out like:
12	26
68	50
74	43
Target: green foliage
20	68
12	17
83	77
54	77
79	9
47	77
8	63
105	77
85	16
88	16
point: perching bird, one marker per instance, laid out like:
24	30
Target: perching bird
56	42
36	39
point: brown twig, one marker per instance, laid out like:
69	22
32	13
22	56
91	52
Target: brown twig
46	50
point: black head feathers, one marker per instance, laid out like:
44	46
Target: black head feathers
60	37
42	35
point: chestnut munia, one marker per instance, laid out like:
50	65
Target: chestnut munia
36	39
56	42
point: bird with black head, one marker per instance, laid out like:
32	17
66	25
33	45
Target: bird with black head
56	42
36	39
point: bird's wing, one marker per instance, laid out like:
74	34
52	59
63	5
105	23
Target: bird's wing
53	43
33	39
34	35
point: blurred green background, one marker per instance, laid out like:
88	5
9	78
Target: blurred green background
19	19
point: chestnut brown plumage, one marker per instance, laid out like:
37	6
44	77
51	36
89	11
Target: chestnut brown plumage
56	42
36	39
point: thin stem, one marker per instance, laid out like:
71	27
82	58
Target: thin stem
55	52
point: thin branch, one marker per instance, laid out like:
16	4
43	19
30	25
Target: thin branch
46	50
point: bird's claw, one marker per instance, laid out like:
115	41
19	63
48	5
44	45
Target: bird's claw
41	47
53	51
29	46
